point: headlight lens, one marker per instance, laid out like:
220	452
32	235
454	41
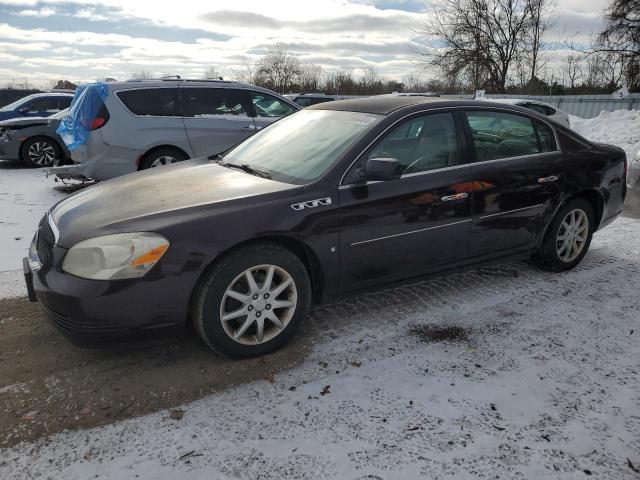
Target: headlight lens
112	257
34	261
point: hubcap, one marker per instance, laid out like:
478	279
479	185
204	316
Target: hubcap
572	235
258	304
163	160
42	153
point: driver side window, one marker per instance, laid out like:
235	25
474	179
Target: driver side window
423	143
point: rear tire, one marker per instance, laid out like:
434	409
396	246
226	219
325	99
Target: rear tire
39	152
162	156
568	238
243	318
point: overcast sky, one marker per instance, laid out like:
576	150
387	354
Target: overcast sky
81	41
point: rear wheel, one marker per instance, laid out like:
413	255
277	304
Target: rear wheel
252	301
40	152
569	236
160	157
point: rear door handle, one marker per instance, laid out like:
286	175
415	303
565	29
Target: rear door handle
551	178
457	196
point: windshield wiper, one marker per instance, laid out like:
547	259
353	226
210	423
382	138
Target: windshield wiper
244	167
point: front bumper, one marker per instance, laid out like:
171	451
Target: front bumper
89	311
9	147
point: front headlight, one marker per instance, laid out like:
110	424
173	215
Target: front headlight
112	257
637	157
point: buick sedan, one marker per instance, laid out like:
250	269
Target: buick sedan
341	196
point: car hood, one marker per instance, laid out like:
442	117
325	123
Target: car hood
160	197
24	122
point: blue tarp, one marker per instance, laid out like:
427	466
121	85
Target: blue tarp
75	127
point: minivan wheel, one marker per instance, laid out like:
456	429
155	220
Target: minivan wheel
40	152
160	157
252	301
569	236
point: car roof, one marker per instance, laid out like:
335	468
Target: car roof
513	101
386	104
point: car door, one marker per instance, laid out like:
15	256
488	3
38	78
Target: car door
268	109
215	119
418	223
518	175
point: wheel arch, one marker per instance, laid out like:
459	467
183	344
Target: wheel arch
155	148
296	246
595	199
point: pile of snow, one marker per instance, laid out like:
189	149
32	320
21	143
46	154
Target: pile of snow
620	128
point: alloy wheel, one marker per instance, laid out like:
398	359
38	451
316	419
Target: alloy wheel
42	153
258	304
572	235
163	160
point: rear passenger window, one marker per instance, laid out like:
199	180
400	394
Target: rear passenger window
209	102
421	144
155	102
502	135
547	140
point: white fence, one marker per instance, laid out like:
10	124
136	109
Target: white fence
585	106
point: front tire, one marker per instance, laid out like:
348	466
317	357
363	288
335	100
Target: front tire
39	152
252	301
568	237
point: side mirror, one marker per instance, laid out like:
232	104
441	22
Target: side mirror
383	169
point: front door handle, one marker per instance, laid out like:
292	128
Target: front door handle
248	128
457	196
551	178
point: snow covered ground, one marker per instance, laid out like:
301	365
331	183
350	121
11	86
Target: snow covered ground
512	373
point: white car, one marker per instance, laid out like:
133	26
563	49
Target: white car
544	108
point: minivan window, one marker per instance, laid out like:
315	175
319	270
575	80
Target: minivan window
502	135
267	106
301	147
207	102
152	102
424	143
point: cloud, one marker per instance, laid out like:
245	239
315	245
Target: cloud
347	23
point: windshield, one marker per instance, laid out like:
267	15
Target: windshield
303	146
17	103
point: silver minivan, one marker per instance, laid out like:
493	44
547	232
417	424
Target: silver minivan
149	123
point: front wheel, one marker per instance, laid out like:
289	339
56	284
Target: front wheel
569	236
252	301
40	152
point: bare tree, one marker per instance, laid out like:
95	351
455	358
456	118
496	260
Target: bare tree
479	39
540	23
278	68
620	37
572	70
310	77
